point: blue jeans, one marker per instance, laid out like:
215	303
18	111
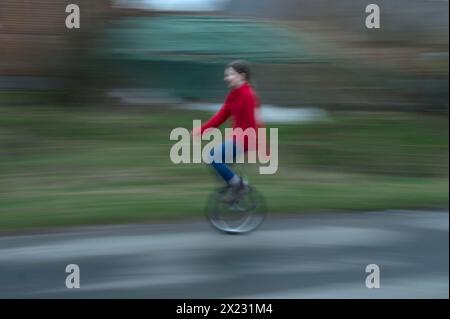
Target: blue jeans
219	164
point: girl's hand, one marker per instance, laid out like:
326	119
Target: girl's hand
195	132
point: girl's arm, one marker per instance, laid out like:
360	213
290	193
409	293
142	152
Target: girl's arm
217	119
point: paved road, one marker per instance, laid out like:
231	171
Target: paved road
308	256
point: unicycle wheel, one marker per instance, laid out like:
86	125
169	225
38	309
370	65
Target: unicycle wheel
239	216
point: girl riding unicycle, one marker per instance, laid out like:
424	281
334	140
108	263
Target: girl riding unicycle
237	207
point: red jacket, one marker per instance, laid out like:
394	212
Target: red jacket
242	105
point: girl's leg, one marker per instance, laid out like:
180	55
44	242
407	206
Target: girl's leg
219	162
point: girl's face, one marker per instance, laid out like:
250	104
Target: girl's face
233	79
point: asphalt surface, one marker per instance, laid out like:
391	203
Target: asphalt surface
305	256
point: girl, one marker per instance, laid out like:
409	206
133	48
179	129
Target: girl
242	104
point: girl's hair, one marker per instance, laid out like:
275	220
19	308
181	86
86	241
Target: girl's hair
241	66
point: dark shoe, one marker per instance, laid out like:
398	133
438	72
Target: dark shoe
240	190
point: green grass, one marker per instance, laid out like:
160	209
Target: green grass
76	166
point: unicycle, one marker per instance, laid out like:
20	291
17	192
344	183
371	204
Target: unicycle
236	215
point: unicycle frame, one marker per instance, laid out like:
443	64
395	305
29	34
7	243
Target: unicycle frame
252	216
